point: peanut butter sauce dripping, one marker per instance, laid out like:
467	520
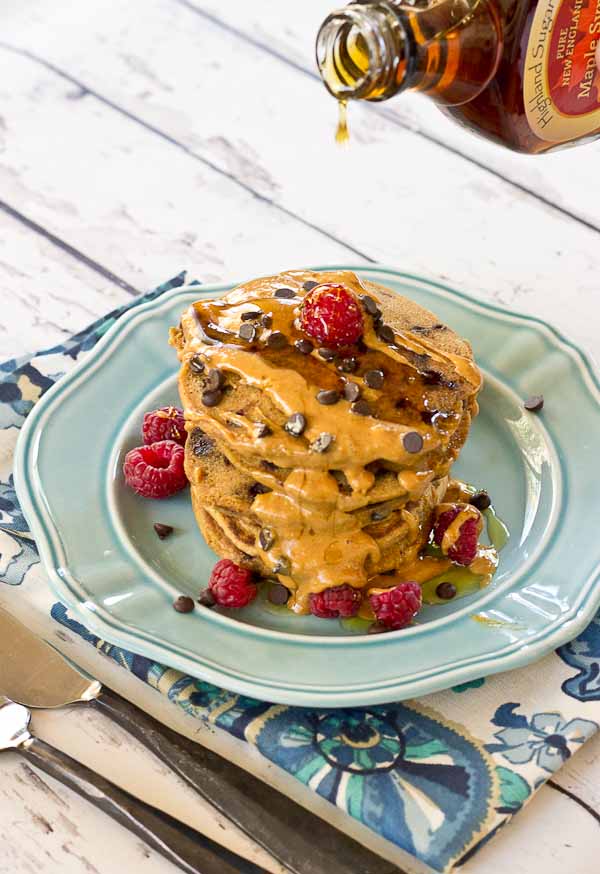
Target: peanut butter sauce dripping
322	543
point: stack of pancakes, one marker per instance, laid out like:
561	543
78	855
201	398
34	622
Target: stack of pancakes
320	494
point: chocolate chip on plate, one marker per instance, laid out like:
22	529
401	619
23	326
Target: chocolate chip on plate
277	340
285	293
412	442
212	398
263	430
304	346
481	500
207	599
278	594
352	391
163	531
374	378
370	305
183	604
247	332
446	591
214	380
266	538
385	333
534	404
328	396
362	408
266	320
309	285
322	442
249	315
196	364
295	425
327	354
347	365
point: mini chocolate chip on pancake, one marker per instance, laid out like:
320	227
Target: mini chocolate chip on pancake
285	293
201	443
361	408
309	285
212	398
322	442
214	380
304	346
263	430
481	500
266	320
328	396
247	332
250	315
374	378
347	365
370	305
385	333
412	442
196	364
326	354
277	340
295	425
258	489
352	391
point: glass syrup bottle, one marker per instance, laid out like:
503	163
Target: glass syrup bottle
520	72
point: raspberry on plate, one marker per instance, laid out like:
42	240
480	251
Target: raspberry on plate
339	602
155	471
464	550
332	315
166	423
396	608
231	585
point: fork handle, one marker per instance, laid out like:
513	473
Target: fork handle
192	852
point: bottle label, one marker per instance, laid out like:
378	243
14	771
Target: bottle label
561	79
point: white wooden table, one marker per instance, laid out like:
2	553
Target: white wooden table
139	139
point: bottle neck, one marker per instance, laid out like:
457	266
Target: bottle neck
448	49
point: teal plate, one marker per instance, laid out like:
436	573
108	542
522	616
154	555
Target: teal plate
106	563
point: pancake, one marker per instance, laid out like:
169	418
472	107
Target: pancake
351	495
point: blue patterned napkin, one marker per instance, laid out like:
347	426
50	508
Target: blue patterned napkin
437	777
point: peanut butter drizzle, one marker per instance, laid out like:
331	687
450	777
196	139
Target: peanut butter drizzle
314	530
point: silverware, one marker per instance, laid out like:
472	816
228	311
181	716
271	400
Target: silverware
38	676
179	844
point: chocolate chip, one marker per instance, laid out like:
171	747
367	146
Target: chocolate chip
163	531
412	442
183	604
278	594
282	566
258	489
201	442
446	591
432	377
207	599
374	378
212	398
385	333
322	442
266	320
285	292
249	315
347	365
327	397
268	465
277	340
380	514
214	379
295	425
481	500
534	404
263	430
370	305
304	346
266	538
247	332
362	408
327	354
377	628
352	391
196	364
342	483
309	285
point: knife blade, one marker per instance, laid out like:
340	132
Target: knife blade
299	839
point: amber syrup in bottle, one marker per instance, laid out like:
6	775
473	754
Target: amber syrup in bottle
520	72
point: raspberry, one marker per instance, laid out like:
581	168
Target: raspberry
166	423
397	607
231	585
465	549
332	315
155	471
339	602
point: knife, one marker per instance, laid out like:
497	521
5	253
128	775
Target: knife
301	841
190	851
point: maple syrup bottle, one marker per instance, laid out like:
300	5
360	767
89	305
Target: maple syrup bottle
520	72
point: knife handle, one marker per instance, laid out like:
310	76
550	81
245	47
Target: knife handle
192	852
299	839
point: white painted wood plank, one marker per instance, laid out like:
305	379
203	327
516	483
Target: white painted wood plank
399	198
562	177
45	294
